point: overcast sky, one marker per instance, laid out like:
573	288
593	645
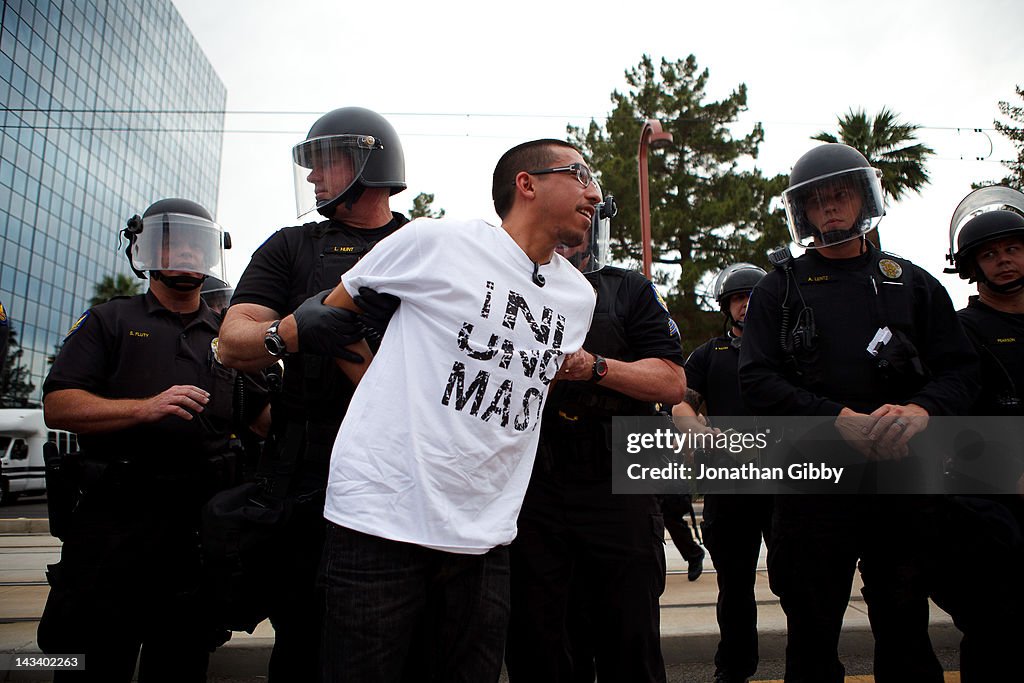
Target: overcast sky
464	81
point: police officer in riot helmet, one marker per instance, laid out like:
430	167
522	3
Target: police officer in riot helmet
986	246
988	228
139	380
734	523
732	290
346	169
586	570
869	338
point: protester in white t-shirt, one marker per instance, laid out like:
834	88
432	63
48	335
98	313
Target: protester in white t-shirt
432	461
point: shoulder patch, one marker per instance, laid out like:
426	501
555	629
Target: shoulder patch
3	316
78	324
673	329
890	268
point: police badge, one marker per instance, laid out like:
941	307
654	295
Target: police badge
890	268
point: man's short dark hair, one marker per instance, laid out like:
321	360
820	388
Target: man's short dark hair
524	157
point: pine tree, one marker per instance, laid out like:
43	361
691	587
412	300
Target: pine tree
1016	134
710	205
422	207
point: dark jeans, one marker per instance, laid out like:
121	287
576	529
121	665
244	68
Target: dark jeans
733	527
588	568
401	612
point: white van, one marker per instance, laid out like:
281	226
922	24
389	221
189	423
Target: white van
22	435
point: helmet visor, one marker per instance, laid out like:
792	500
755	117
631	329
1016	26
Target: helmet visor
992	198
834	208
179	242
592	254
326	167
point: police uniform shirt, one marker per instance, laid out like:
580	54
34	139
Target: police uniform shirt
646	328
849	298
292	265
631	322
999	338
717	358
132	348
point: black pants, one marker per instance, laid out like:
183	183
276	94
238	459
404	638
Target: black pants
675	509
128	583
587	570
733	527
902	543
816	543
986	607
297	610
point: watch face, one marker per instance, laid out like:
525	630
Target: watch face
600	368
273	342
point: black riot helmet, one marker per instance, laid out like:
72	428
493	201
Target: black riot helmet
346	151
827	175
986	214
735	279
180	235
739	277
217	294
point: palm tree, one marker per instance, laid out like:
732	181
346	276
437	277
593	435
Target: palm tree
114	285
884	141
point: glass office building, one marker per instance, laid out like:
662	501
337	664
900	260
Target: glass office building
107	106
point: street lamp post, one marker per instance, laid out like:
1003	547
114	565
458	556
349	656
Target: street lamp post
651	135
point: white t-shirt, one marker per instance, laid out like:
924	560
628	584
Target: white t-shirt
439	440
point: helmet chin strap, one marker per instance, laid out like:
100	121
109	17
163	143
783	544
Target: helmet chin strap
838	236
180	283
1008	288
349	196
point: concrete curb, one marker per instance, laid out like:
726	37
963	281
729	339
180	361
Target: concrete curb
24	525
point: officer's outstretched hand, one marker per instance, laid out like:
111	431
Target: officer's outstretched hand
181	400
377	311
327	330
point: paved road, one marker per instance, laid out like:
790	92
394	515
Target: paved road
32	508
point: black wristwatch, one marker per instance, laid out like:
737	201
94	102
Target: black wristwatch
600	369
273	342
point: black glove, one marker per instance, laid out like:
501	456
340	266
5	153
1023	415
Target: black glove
377	311
326	330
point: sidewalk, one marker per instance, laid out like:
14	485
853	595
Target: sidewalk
689	628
